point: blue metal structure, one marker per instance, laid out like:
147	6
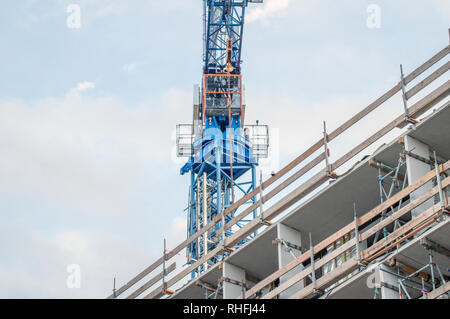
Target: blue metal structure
221	163
224	21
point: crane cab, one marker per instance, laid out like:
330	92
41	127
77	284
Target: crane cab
222	94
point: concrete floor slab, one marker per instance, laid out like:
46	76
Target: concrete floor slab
259	257
434	131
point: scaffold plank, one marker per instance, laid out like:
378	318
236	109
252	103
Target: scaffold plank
328	279
384	243
151	282
419	108
428	80
439	291
137	278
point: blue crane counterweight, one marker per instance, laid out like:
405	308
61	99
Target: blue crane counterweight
222	151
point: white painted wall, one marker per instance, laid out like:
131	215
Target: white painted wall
231	291
292	236
416	169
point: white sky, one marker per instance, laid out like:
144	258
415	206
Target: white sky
87	116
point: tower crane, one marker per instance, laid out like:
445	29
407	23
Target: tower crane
222	152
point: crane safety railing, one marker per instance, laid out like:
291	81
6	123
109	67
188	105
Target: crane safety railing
373	251
309	185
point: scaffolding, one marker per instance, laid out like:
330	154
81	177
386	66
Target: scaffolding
391	229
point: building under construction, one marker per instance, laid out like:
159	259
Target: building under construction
374	226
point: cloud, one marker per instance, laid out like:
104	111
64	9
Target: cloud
35	266
83	86
88	152
85	155
270	8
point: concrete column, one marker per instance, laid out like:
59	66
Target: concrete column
292	236
416	169
387	293
232	291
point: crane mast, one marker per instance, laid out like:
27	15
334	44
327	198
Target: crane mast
223	152
224	23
